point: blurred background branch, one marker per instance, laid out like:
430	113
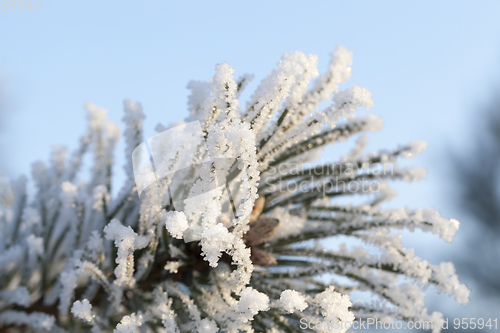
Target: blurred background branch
477	175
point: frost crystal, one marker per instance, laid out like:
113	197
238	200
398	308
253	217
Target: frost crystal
126	240
215	240
251	302
207	326
130	324
334	307
83	310
175	222
292	300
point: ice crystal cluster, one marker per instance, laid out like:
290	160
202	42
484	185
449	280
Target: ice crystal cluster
255	238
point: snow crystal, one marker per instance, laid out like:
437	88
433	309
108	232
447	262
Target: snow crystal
446	228
223	86
438	321
348	100
334	307
251	302
163	305
83	310
133	119
339	71
215	240
207	326
130	324
175	222
448	280
126	240
172	266
292	300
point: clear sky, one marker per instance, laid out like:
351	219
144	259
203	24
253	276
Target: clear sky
429	64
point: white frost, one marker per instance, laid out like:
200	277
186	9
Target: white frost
83	310
292	300
175	222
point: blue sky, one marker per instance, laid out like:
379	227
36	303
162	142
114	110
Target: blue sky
430	66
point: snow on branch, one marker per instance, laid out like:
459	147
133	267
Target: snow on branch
218	225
